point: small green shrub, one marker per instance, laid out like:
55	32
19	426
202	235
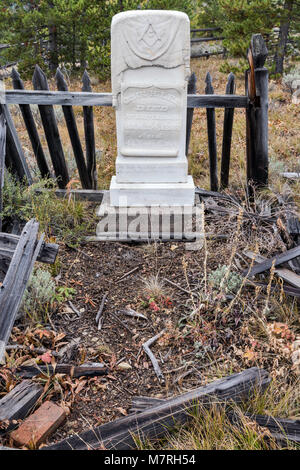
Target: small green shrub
230	283
65	219
39	295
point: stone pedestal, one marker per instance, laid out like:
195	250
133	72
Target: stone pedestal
146	223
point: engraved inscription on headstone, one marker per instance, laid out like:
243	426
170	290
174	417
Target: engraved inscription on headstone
151	121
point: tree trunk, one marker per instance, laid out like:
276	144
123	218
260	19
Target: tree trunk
283	36
53	56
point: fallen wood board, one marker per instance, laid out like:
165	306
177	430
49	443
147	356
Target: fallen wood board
283	431
277	260
286	274
85	370
16	279
8	243
19	402
156	421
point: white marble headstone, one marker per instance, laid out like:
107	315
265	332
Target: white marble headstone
150	58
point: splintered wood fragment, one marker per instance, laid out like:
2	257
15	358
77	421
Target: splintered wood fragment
157	421
19	402
132	313
121	322
75	310
128	274
178	287
276	260
85	370
99	316
68	348
139	404
146	347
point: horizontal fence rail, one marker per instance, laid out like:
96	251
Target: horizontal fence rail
67	98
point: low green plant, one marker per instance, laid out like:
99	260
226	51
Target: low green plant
229	282
42	296
39	295
65	219
64	293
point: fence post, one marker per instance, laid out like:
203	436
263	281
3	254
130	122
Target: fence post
51	131
192	88
212	139
73	133
31	128
15	158
257	113
88	116
227	134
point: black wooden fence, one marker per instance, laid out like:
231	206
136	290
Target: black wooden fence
255	103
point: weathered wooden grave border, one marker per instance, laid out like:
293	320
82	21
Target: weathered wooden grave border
255	103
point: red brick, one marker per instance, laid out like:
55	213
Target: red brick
40	425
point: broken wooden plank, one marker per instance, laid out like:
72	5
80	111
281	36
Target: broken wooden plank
19	402
85	370
286	274
8	243
276	260
16	279
158	420
284	431
39	426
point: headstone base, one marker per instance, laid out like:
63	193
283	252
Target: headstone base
152	194
165	223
